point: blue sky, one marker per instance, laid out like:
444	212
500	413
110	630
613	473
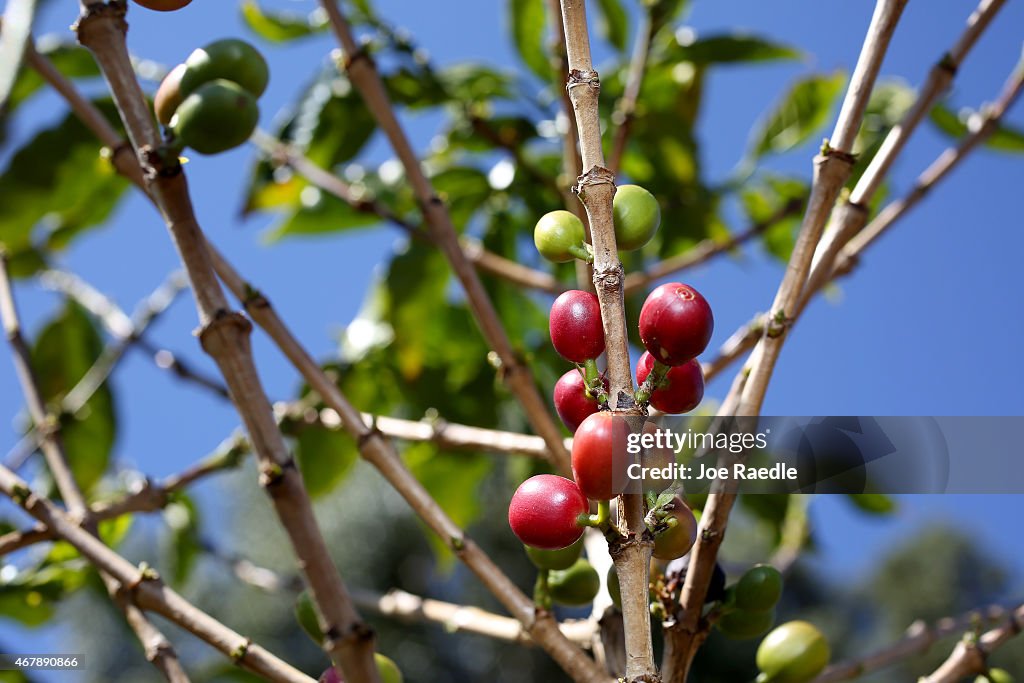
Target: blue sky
930	324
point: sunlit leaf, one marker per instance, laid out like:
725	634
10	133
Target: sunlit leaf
325	456
725	49
529	27
64	351
1005	137
799	116
280	27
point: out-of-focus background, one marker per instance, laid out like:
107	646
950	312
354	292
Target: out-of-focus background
929	324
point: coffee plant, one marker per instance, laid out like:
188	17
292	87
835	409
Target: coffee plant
432	389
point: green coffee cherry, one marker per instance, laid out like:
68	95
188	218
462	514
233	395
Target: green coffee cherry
614	591
743	625
759	589
217	117
559	236
637	216
575	586
995	676
231	59
795	652
555	559
305	614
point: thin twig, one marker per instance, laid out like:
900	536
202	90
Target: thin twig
225	336
363	73
706	250
625	108
483	259
146	588
919	638
146	496
158	649
970	657
631	550
850	218
831	169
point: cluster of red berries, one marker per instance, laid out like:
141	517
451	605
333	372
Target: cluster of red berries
676	323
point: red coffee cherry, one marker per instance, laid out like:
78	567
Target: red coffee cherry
571	401
593	455
544	510
685	387
575	324
676	323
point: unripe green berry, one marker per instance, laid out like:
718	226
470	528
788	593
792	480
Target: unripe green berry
636	215
558	234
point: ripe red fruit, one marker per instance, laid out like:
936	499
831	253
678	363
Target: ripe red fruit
163	5
571	401
676	323
575	324
544	510
598	456
684	390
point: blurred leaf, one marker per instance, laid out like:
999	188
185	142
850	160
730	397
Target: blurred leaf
1004	138
464	190
29	597
325	456
801	114
724	49
768	202
305	614
64	351
416	285
60	180
182	518
529	24
321	213
875	503
453	480
330	126
613	23
889	101
280	27
663	12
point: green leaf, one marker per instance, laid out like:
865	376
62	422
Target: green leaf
464	190
280	27
1005	138
320	214
801	114
184	544
330	126
613	23
63	352
529	23
453	480
765	202
874	503
59	181
416	286
325	456
30	597
726	49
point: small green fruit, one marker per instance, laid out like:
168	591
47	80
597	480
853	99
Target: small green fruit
743	625
231	59
614	591
995	676
577	585
675	541
636	215
215	118
759	589
168	96
559	236
305	614
555	559
795	652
